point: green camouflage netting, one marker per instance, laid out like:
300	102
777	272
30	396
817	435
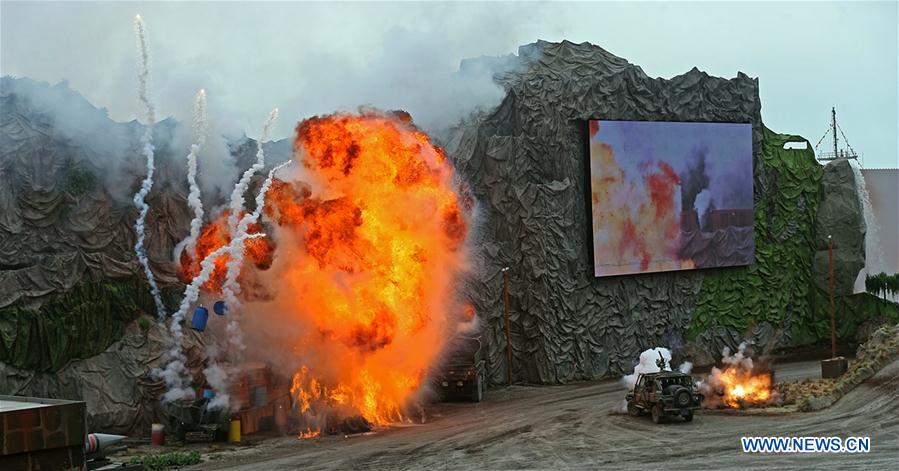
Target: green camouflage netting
78	324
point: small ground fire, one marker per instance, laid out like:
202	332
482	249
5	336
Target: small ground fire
741	383
742	388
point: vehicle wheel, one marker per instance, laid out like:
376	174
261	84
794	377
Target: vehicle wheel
657	413
682	398
633	410
688	417
479	388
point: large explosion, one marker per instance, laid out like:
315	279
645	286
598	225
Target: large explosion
369	244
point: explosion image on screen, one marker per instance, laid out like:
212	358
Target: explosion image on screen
670	196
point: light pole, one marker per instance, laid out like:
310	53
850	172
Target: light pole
833	317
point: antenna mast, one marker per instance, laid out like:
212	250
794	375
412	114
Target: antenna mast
833	129
848	153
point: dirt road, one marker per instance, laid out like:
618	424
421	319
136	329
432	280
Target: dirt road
569	427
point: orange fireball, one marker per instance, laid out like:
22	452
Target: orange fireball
214	235
743	388
377	234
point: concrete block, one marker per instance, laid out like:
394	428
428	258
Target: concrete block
834	367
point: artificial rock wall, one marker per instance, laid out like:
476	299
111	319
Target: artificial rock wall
525	165
840	215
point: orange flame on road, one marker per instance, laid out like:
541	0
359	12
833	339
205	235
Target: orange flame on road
741	388
742	382
379	232
309	433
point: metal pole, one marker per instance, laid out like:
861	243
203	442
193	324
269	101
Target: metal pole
508	324
833	129
833	321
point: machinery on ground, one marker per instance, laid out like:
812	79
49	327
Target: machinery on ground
462	375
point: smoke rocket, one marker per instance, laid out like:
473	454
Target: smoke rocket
244	182
193	198
143	73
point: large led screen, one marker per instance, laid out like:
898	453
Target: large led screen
670	196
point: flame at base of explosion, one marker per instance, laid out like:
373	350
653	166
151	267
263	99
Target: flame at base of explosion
309	433
740	384
740	388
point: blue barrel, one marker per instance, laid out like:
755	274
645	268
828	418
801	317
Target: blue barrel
201	315
220	308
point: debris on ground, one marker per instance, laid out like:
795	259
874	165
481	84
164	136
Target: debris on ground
816	394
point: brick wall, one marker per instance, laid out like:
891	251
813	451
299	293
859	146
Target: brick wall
49	436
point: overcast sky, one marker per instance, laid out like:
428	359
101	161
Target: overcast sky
314	58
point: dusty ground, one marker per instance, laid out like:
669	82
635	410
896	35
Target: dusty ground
569	427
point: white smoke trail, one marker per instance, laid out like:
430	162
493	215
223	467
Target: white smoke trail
176	373
143	73
230	288
193	198
241	187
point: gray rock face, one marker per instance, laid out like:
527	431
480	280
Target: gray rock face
526	165
121	395
67	176
840	215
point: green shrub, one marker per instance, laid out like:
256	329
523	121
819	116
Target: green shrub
79	180
144	324
161	461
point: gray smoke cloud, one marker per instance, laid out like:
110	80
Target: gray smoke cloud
315	57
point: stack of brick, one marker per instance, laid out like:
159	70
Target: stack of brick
42	434
263	398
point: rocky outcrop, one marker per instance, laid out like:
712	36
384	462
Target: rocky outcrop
841	216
